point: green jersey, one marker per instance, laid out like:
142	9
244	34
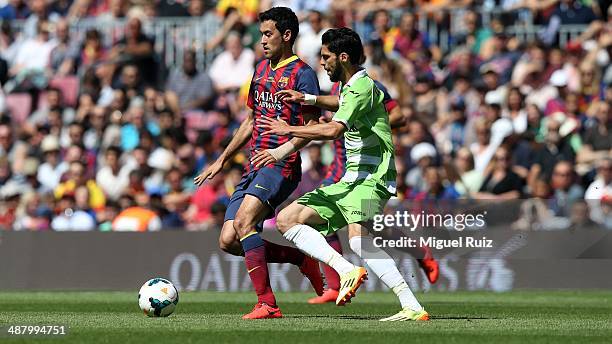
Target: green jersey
368	142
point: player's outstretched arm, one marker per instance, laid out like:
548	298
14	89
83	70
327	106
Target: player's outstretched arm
330	103
242	136
321	131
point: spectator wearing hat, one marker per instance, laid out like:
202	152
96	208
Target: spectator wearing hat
51	170
423	154
559	80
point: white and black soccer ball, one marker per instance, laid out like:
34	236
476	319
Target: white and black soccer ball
158	297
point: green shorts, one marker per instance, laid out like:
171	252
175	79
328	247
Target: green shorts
343	203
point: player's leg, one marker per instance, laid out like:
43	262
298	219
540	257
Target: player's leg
295	223
251	212
385	268
331	276
228	240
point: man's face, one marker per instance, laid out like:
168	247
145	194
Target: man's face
562	176
272	39
552	135
189	66
130	76
605	170
331	64
6	137
315	21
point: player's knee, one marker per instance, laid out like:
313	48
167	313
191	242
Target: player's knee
243	225
285	220
230	245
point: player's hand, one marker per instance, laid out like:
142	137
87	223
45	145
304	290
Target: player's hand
274	126
262	158
291	96
208	173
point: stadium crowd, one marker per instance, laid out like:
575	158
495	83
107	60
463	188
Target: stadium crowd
97	134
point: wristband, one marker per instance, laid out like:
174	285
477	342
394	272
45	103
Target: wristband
281	152
310	99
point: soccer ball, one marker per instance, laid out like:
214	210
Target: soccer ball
158	297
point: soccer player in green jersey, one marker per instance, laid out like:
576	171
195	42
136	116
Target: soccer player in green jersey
369	180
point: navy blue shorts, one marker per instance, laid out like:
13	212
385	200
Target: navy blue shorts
268	185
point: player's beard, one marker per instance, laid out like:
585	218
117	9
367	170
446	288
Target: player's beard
336	74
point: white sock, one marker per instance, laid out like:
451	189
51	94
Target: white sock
311	242
384	267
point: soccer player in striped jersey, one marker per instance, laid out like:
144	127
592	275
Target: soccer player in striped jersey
263	188
334	173
368	183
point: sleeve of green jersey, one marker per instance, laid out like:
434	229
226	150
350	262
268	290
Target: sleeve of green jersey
354	102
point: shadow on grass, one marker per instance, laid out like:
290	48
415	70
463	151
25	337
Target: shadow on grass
374	317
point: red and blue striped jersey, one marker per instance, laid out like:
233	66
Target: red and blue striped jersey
291	73
336	169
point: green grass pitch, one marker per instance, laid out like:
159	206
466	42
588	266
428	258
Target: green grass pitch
208	317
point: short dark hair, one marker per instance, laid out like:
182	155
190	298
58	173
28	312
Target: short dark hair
344	40
284	20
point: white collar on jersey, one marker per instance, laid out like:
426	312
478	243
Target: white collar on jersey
356	76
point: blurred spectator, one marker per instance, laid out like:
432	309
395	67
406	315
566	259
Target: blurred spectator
113	178
410	43
554	149
501	182
194	88
136	48
468	179
63	50
76	178
50	172
565	191
313	170
567	12
233	67
14	9
32	61
597	142
483	149
536	213
423	154
308	43
137	218
515	110
435	189
40	12
32	214
599	190
70	218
